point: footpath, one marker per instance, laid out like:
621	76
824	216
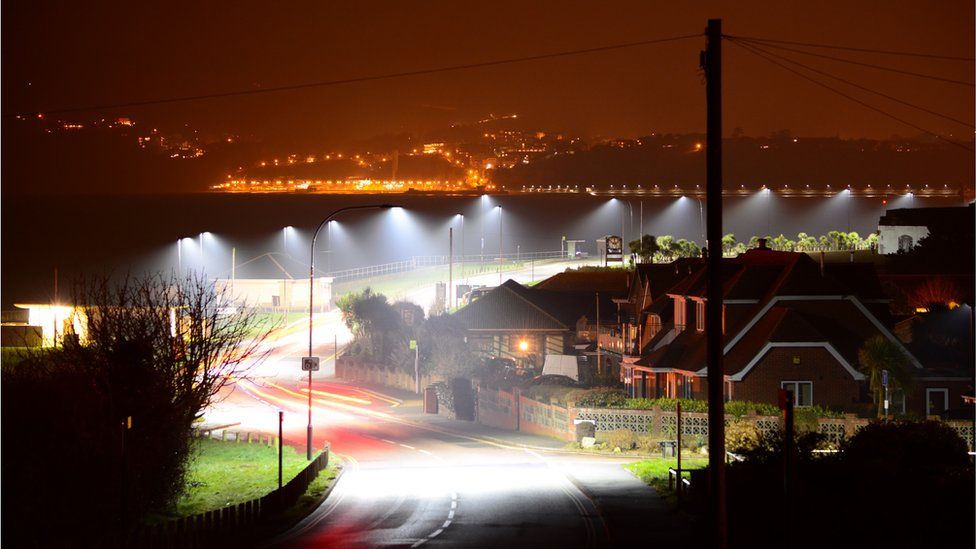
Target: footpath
634	513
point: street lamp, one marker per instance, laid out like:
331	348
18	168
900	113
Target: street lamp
311	303
461	215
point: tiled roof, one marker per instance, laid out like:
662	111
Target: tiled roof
505	308
946	220
512	306
616	281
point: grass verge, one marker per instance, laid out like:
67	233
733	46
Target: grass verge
227	473
655	471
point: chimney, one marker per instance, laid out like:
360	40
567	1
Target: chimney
762	244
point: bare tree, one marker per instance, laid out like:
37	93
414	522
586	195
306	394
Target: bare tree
142	360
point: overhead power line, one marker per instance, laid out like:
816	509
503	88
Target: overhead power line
370	78
864	88
862	64
749	48
849	48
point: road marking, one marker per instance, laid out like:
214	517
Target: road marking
407	446
425	452
388	441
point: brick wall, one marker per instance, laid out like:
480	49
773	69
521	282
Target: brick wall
833	386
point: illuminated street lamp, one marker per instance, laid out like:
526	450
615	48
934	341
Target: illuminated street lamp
311	303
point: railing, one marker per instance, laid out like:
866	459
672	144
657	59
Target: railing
423	261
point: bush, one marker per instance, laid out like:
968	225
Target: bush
741	436
906	449
603	398
620	438
646	443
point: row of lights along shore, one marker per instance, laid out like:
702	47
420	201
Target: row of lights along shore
785	190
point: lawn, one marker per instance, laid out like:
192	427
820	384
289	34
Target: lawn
655	471
228	473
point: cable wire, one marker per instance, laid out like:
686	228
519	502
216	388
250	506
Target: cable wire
753	51
869	65
848	48
864	88
326	83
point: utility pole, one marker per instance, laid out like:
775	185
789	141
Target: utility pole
281	419
711	60
233	270
499	245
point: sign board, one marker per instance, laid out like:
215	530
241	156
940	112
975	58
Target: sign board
310	363
615	248
413	344
884	378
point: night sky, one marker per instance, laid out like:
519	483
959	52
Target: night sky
58	55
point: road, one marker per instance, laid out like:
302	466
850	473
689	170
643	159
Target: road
411	481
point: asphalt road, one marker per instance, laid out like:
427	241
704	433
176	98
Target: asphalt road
411	483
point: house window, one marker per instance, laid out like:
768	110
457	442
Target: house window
802	392
679	313
700	316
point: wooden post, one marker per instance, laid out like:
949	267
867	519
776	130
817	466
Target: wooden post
678	449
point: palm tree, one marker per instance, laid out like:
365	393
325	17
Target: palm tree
879	353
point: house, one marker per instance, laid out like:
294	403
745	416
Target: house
900	230
788	321
526	324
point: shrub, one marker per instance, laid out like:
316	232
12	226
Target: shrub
741	436
646	443
906	448
620	438
603	398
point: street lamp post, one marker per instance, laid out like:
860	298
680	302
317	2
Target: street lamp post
500	245
311	303
463	272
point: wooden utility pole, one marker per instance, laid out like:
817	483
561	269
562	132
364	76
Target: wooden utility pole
712	64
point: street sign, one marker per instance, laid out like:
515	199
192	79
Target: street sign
413	344
884	378
310	363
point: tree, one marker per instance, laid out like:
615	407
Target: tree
443	348
805	242
686	248
728	243
666	248
854	240
153	350
645	248
879	353
376	326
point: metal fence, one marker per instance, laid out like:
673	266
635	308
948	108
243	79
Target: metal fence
423	261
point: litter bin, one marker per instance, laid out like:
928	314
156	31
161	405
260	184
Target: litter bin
430	400
669	448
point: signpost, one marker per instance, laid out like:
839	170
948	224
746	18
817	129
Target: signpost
310	364
615	249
